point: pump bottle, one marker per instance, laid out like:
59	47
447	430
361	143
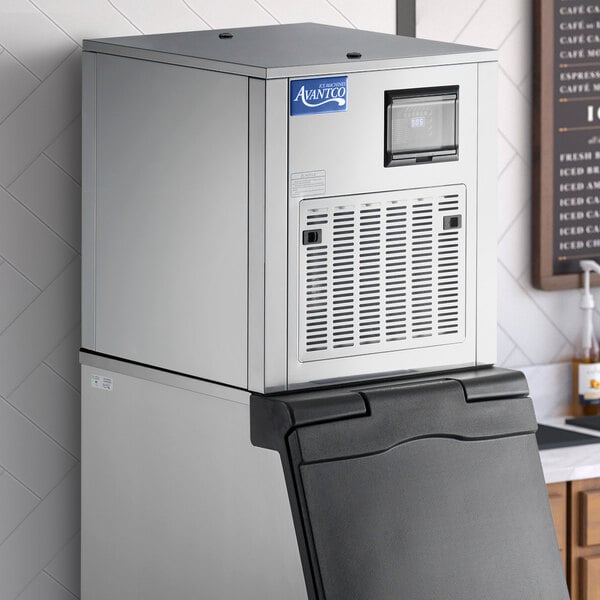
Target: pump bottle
586	363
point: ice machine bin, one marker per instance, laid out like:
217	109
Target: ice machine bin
423	491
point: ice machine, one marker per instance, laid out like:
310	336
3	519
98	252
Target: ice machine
289	325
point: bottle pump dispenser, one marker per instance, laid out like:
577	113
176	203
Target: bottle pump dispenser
587	304
586	363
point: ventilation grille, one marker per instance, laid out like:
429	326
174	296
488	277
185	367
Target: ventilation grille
381	272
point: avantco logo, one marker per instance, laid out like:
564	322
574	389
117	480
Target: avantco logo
323	95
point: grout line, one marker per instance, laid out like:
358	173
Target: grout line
198	15
58	66
340	12
555	358
38	218
55	23
525	78
33	422
61	339
24	485
507	140
37	287
25	99
55	138
469	20
510	351
78	532
514	351
125	17
61	168
509	161
513	221
65	381
268	12
25	517
516	346
50	576
515	85
541	309
519	275
501	172
519	21
23	64
23	310
42	150
64	545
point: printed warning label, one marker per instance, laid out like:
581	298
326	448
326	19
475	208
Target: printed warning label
307	184
102	382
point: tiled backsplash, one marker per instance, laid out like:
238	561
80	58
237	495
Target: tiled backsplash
550	389
534	327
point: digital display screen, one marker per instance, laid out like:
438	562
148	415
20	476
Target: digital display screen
421	125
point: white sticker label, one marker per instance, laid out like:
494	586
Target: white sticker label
589	383
102	382
308	183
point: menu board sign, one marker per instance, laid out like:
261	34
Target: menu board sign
566	140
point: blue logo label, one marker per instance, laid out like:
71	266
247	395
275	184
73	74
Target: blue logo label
324	95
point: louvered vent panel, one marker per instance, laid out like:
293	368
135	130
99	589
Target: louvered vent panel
396	272
382	272
421	266
369	274
449	272
316	294
342	305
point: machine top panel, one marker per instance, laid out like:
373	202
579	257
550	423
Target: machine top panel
277	51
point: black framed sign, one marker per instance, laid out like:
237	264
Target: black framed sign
566	145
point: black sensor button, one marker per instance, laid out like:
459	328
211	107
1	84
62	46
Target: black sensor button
311	236
453	222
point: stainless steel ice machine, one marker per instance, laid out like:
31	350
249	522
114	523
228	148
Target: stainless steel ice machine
289	325
263	211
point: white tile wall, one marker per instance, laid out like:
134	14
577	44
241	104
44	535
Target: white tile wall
32	545
40	119
61	567
549	385
40	175
32	39
17	503
53	405
534	327
17	293
44	587
41	262
54	196
23	82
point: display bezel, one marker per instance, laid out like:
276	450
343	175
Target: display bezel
449	153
